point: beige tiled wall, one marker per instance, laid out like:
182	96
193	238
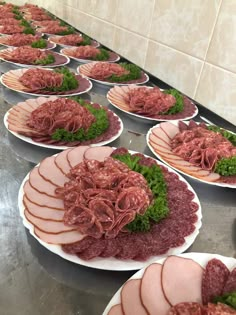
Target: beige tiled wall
187	43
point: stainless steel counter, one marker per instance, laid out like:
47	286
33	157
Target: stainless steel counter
33	281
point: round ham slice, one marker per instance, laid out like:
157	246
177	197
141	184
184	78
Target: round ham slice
159	142
182	273
60	238
43	212
159	149
130	298
116	310
40	184
42	199
55	176
62	162
169	129
161	134
98	153
152	295
76	155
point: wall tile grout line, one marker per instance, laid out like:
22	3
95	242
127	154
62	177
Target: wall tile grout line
148	34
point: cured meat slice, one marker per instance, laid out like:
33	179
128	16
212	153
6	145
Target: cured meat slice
181	273
219	309
159	142
76	155
158	132
152	295
188	308
55	176
169	129
116	310
43	212
42	199
47	226
230	285
60	238
159	149
40	184
214	280
62	162
130	298
98	153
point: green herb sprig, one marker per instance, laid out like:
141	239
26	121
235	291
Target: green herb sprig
179	104
70	30
86	41
45	61
41	43
69	81
134	73
226	166
102	55
227	134
228	298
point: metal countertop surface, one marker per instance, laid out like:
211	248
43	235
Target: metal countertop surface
34	281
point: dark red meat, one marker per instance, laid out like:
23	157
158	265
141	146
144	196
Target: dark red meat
103	70
85	52
54	29
230	285
17	40
12	29
214	280
26	55
71	40
187	308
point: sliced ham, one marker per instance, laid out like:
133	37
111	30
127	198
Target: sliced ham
116	310
152	295
158	148
62	162
169	129
47	226
98	153
59	239
43	212
42	199
158	132
158	141
130	298
55	176
40	184
182	273
76	155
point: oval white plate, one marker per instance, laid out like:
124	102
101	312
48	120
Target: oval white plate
35	66
60	147
85	69
180	171
109	96
200	258
113	263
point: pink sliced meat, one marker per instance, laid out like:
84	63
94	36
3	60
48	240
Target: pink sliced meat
214	279
47	226
152	295
169	129
43	212
42	199
116	310
159	142
161	134
62	162
40	184
159	149
98	153
50	172
230	285
76	155
181	273
60	238
130	298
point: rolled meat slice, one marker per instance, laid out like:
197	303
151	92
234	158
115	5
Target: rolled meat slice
152	295
181	273
98	153
131	299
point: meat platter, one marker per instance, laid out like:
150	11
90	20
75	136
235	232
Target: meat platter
148	103
37	206
183	285
27	57
71	41
12	80
22	40
203	152
103	72
83	54
16	122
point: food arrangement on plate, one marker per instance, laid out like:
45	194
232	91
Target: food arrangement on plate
151	103
18	40
60	123
26	56
73	40
191	284
36	81
204	152
109	209
90	53
113	73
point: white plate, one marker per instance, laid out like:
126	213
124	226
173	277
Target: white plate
88	67
180	171
113	263
19	73
62	51
109	94
1	44
200	258
60	147
34	66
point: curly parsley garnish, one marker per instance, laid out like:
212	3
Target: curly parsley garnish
134	73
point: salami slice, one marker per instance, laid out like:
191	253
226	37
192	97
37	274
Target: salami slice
214	280
230	285
187	308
